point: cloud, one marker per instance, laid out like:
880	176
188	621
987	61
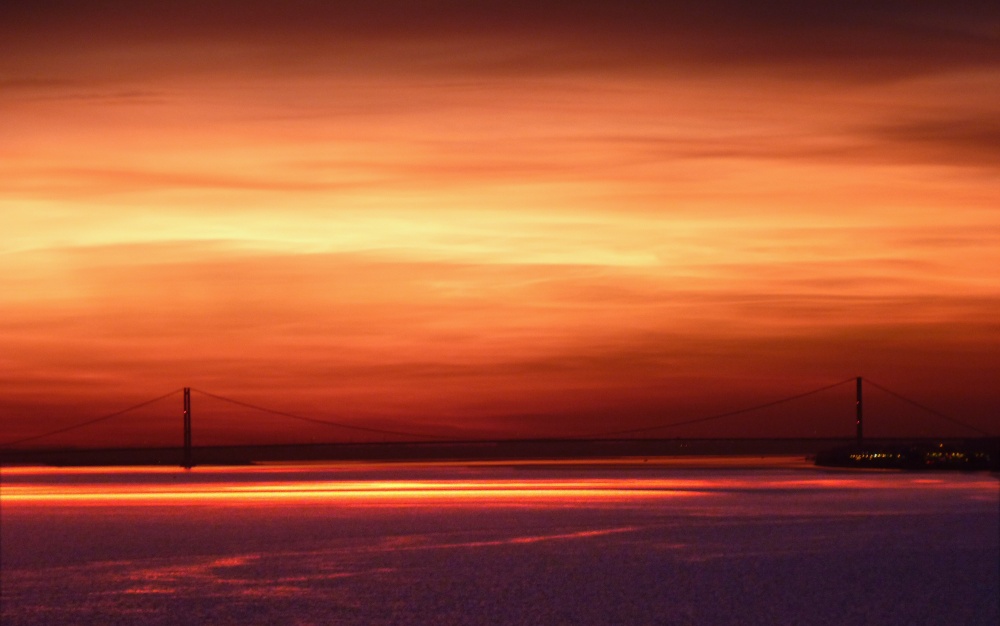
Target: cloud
881	39
508	210
83	181
963	141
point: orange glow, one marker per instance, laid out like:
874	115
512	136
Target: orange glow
367	492
444	492
328	483
546	224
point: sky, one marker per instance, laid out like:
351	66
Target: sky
498	219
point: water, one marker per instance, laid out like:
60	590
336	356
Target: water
620	543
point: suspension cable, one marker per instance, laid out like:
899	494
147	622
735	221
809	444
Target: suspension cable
927	408
313	420
716	416
88	422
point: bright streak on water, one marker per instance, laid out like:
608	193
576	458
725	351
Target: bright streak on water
612	543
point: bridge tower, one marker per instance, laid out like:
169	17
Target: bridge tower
859	420
187	428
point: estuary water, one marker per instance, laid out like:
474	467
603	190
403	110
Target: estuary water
709	541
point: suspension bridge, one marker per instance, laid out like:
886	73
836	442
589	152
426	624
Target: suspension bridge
14	450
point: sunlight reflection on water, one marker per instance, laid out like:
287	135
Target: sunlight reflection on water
504	544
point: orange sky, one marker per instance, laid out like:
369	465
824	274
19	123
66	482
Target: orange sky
498	220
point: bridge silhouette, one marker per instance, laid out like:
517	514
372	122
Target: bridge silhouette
188	448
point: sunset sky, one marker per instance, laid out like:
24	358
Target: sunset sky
498	219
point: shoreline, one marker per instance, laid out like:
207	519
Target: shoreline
934	453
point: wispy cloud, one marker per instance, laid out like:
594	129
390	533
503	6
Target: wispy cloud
504	216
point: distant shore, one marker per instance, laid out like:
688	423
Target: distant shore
831	452
963	455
